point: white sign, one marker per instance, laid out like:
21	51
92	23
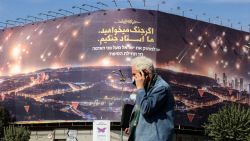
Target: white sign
101	130
72	135
71	139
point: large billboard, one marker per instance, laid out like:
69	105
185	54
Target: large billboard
76	68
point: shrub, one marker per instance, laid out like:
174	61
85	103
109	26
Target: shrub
12	133
232	123
4	120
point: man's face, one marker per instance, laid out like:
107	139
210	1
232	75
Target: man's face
134	71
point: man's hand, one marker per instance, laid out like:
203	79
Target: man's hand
126	131
139	80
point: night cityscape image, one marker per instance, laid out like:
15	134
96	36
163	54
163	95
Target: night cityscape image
77	68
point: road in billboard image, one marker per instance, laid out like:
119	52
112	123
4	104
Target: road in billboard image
72	68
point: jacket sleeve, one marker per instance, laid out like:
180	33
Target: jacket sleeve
152	102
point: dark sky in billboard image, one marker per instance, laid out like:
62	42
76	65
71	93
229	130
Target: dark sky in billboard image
68	69
69	41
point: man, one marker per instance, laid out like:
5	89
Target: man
152	118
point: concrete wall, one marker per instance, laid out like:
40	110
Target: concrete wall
82	135
86	135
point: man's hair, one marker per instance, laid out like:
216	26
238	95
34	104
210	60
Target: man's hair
142	63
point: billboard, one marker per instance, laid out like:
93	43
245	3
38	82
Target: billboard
69	69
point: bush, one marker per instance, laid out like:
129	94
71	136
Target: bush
232	123
4	120
12	133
